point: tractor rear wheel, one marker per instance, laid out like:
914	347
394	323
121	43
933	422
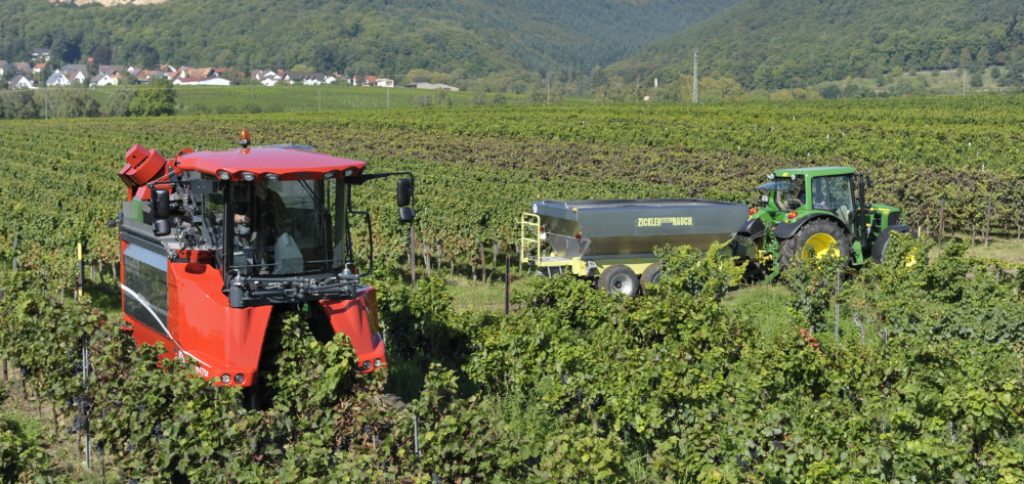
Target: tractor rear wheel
817	239
651	275
619	279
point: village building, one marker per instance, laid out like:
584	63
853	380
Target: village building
21	82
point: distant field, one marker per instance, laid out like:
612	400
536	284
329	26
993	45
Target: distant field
258	98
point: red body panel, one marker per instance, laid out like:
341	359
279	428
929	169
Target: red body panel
288	164
358	319
222	339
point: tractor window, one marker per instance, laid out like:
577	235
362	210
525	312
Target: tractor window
833	193
790	194
285	227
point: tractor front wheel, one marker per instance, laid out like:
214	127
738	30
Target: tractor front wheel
619	279
816	240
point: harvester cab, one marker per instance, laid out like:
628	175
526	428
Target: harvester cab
214	243
819	212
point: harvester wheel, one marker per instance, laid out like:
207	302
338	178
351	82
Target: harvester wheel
651	275
816	240
619	279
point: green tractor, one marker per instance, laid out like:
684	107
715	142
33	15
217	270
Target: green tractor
808	213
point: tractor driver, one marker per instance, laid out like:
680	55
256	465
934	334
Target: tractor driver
271	234
792	197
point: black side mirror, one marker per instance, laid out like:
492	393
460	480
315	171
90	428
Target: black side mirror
160	207
406	214
160	204
405	191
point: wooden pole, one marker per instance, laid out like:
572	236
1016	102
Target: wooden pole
508	285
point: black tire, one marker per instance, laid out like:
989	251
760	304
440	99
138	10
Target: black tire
745	248
882	242
651	275
619	279
793	248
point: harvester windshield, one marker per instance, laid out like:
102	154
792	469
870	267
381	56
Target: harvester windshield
283	228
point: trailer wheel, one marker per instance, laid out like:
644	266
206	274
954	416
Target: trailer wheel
651	275
815	240
619	279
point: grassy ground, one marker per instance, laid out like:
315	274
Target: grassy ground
36	417
1006	250
943	82
257	98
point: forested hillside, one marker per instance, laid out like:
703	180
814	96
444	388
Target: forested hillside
462	38
770	44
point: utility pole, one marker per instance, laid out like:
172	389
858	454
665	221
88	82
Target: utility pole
549	87
696	80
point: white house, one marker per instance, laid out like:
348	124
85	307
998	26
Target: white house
58	79
148	76
315	79
267	77
21	82
432	86
72	73
382	82
103	80
41	55
201	81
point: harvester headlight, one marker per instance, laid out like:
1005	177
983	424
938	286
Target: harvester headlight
534	208
223	175
271	177
239	378
350	172
225	378
771	176
330	174
377	363
366	365
248	176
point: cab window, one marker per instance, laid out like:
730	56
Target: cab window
832	193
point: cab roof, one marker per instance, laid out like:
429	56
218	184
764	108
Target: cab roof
286	162
815	171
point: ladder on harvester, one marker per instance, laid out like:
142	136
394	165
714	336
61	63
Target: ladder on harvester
529	238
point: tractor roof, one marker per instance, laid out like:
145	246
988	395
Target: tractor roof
288	163
815	171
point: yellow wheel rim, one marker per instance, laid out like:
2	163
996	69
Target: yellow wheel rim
821	245
911	260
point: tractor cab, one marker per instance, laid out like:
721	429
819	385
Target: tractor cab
814	213
214	243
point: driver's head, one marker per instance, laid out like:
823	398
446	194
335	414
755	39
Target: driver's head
243	224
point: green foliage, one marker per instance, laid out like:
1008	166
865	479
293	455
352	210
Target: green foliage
157	99
772	44
813	283
18	105
22	457
463	39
